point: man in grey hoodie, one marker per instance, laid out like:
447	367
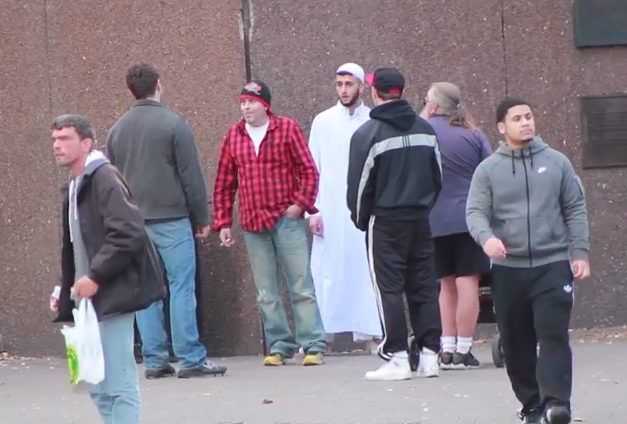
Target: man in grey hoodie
527	209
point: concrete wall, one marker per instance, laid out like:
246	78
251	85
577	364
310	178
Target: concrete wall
63	57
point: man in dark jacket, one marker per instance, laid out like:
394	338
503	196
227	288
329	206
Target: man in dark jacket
394	178
106	257
154	148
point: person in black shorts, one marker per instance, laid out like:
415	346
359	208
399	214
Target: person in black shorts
459	261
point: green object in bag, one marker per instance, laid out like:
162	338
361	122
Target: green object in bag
72	363
85	357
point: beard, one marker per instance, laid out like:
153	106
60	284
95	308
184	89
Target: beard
352	101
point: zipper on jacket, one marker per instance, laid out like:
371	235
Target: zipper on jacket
522	156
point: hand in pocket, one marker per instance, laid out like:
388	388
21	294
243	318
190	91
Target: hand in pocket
293	212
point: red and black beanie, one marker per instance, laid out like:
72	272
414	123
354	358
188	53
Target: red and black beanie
257	90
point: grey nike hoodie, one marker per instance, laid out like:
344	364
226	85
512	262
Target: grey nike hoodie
532	200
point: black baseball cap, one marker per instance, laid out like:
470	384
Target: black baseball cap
387	80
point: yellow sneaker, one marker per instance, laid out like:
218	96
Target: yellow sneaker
313	359
274	360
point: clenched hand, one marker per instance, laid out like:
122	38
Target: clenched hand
580	268
85	288
203	232
494	248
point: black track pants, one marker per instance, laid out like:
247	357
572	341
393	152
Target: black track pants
533	305
401	262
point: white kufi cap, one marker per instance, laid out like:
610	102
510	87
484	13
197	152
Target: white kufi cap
352	69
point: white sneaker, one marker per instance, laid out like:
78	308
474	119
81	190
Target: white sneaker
395	369
429	366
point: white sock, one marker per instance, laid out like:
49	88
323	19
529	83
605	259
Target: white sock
464	344
448	344
426	351
400	355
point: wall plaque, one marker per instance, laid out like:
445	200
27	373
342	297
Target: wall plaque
600	23
604	131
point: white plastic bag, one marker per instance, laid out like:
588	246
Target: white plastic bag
84	347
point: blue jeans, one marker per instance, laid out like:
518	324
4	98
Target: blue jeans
175	242
288	243
117	396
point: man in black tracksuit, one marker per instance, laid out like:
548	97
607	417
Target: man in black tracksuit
527	209
394	178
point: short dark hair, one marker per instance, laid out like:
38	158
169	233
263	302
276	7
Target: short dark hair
389	96
142	80
81	124
506	105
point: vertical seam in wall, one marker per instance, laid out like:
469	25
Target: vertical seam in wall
246	28
504	44
48	54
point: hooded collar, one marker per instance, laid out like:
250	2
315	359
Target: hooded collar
94	160
535	146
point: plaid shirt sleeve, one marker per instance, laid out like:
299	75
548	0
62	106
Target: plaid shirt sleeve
307	171
224	187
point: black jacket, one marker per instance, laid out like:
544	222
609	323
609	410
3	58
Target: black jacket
123	261
394	167
154	148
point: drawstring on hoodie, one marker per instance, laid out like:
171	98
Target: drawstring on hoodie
73	203
522	156
513	163
531	157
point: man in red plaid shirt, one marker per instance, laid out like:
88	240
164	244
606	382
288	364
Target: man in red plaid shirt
267	158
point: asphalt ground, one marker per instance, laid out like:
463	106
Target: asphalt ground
38	391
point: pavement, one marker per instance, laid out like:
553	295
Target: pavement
37	391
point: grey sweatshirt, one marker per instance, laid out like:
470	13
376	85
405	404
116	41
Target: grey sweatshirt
154	148
81	260
532	200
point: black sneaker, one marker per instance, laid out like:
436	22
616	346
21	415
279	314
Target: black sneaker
152	374
204	370
532	416
557	414
464	361
446	360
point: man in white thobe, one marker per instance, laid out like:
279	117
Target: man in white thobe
339	262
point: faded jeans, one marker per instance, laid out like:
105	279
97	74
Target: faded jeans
288	243
175	242
117	396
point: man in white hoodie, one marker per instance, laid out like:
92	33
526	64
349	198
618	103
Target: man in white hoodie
107	258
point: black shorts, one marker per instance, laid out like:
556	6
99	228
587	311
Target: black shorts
458	255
